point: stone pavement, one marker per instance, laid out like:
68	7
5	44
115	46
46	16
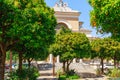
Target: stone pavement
45	70
85	71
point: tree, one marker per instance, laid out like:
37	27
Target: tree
21	19
98	47
7	13
101	48
70	45
105	16
114	51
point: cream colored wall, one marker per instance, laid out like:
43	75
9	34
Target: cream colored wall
74	24
71	18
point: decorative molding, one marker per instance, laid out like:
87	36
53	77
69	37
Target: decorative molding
67	13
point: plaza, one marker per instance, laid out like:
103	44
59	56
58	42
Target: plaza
75	40
85	71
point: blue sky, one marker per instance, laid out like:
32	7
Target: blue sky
81	6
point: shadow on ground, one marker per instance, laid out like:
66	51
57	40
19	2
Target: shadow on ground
88	75
43	67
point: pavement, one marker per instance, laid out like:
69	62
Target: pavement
45	70
85	71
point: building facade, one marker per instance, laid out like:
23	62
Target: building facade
69	18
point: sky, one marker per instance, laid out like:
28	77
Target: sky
84	8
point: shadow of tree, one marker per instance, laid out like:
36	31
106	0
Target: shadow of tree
88	75
45	66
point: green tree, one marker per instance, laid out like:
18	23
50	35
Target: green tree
114	51
7	13
37	38
70	45
105	16
98	47
101	48
20	20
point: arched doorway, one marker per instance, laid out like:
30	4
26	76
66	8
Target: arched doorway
63	24
60	25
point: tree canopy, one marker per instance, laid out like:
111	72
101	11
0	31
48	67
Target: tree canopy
70	42
70	45
105	48
25	24
100	50
105	16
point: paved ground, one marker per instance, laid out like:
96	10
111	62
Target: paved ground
45	70
86	71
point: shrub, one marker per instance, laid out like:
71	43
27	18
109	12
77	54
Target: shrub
98	72
26	74
69	75
71	72
74	77
62	77
115	73
59	72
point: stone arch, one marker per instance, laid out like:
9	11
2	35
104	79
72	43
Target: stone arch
63	23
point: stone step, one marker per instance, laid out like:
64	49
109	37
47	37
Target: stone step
47	78
45	74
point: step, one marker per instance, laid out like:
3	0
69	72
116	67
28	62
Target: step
47	78
45	74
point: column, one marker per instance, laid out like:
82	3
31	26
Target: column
50	58
74	60
58	59
81	61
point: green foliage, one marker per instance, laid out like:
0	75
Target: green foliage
98	50
104	49
59	72
26	26
74	77
39	24
33	25
29	26
98	72
30	74
64	30
108	48
14	57
115	73
70	73
70	45
114	50
8	56
105	16
64	77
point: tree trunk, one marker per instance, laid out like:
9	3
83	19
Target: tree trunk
102	69
115	61
20	62
29	62
64	67
67	66
2	61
